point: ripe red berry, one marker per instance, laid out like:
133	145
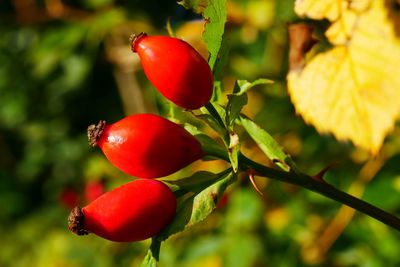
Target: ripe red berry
175	69
146	145
132	212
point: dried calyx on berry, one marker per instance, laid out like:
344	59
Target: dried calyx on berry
76	222
94	132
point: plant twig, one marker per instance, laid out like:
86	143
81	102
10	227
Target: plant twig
322	188
155	249
311	183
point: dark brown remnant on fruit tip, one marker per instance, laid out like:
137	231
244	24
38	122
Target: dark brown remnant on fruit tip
94	132
133	39
76	222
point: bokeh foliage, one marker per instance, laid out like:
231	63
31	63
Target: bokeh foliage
67	64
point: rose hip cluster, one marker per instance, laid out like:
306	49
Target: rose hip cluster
147	146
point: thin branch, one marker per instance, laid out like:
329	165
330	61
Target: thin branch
313	184
322	188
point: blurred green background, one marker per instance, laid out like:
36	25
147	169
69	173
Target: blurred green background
67	64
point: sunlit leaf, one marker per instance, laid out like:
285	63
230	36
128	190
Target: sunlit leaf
238	99
196	5
329	9
212	122
198	206
235	104
215	111
219	67
197	182
205	202
211	147
351	90
266	143
215	15
151	258
245	86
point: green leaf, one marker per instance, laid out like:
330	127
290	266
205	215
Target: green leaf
219	66
152	256
211	115
212	122
211	147
230	138
195	183
218	90
234	107
215	15
267	144
238	99
244	86
149	260
205	202
197	207
196	5
190	128
218	109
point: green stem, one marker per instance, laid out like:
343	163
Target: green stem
323	188
155	249
213	112
308	182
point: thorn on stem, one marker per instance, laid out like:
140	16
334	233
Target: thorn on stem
251	175
320	175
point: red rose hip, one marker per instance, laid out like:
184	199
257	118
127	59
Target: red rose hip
146	145
175	69
132	212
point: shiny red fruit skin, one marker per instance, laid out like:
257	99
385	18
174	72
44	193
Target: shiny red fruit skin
175	69
132	212
148	146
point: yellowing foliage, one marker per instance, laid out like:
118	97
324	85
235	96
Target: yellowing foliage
353	89
329	9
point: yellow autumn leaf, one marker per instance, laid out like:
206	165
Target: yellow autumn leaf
353	89
328	9
315	9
